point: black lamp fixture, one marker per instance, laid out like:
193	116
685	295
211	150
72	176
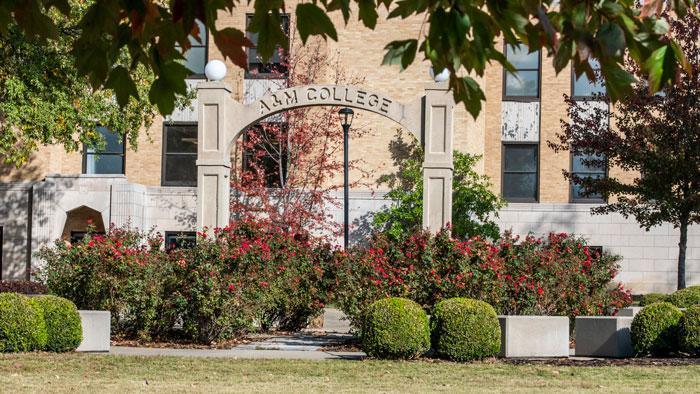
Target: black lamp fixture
346	116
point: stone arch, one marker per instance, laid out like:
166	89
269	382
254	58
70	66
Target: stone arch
77	220
221	120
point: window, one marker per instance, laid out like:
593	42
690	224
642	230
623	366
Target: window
196	56
583	87
265	149
275	67
179	155
180	239
586	166
78	236
525	84
520	172
595	251
108	160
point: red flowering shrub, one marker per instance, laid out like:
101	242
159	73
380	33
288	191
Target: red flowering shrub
235	279
557	276
119	272
247	276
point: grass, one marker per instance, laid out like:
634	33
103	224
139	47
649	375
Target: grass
76	373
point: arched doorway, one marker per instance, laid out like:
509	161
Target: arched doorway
221	120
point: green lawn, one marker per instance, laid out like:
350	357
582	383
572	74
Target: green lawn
76	373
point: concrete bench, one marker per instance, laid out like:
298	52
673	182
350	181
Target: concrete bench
534	336
96	331
604	336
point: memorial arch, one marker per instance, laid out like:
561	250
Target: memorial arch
221	119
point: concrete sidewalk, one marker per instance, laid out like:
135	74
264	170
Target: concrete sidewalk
237	353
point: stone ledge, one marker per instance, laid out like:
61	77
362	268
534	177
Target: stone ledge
534	336
96	331
603	336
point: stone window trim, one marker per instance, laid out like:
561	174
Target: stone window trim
249	74
580	199
196	44
165	153
87	153
536	198
505	96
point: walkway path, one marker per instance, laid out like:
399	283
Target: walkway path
304	346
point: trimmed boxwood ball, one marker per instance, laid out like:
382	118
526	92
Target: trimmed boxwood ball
685	298
22	327
395	328
689	331
655	328
648	299
465	329
63	328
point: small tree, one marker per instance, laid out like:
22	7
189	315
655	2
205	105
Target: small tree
291	160
657	137
473	203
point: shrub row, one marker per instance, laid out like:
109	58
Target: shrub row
661	329
237	279
683	298
39	323
460	329
556	275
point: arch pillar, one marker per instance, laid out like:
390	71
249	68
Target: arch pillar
438	164
214	110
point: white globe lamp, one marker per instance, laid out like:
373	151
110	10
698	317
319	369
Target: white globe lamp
215	70
443	76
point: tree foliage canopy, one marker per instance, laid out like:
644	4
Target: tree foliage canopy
45	100
460	35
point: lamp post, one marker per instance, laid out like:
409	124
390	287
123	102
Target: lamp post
346	115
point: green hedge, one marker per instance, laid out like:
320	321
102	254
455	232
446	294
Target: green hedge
689	331
685	298
465	329
395	328
63	328
651	298
22	326
655	329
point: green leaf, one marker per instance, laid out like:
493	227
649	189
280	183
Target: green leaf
618	82
405	8
660	67
123	86
466	90
563	55
612	39
311	20
169	84
401	52
368	13
267	23
342	5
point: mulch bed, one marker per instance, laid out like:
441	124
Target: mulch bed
181	344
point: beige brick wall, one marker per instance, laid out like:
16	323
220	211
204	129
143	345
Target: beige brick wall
361	51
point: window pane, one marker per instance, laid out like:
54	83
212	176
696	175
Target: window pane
583	87
113	141
578	164
202	35
521	186
578	191
181	139
180	240
525	83
520	158
519	57
181	170
195	59
96	163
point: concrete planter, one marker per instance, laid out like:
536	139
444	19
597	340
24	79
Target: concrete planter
96	331
603	336
534	336
630	311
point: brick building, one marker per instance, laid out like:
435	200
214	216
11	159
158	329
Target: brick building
56	192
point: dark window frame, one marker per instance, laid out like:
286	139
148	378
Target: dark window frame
169	234
258	75
165	153
526	99
122	154
206	53
537	172
584	200
594	97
